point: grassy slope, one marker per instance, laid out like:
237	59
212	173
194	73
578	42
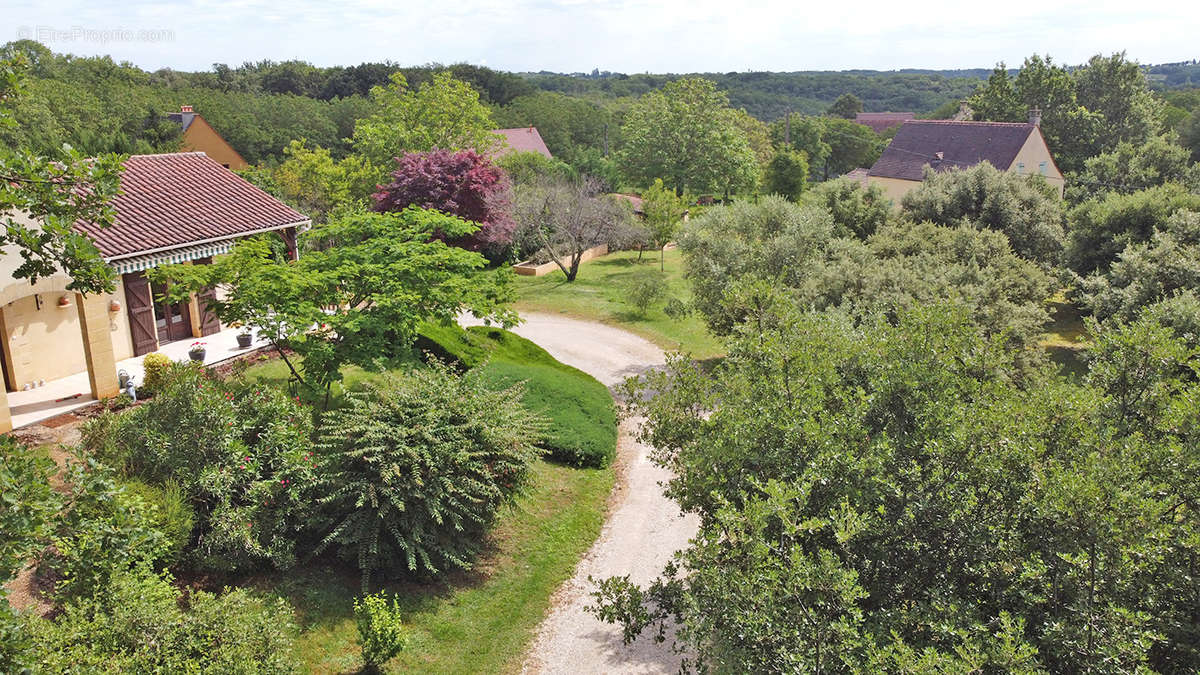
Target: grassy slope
583	423
598	294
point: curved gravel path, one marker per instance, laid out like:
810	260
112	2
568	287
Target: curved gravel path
643	528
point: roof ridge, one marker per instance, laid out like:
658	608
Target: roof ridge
171	154
972	122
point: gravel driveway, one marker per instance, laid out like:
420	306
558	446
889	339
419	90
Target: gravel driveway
643	529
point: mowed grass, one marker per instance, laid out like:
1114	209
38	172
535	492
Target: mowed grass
598	294
583	422
480	621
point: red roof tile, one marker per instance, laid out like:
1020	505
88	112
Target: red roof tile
882	121
174	200
525	139
946	145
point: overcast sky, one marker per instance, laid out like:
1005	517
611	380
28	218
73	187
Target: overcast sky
620	35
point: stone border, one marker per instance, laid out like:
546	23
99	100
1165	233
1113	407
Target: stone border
529	269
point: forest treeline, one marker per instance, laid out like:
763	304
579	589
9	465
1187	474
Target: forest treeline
97	105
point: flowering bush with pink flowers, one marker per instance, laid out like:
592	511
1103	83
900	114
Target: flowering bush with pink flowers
242	455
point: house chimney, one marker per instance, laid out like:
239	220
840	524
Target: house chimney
964	112
1035	117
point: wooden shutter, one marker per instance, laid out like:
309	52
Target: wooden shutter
141	313
209	323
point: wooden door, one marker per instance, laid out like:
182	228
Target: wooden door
209	323
172	320
140	306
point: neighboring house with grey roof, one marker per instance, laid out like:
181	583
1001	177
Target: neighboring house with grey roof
945	145
525	139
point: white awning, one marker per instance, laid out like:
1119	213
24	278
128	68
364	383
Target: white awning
177	255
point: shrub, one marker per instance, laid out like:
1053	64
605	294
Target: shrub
1025	208
241	455
106	529
170	514
380	632
29	506
858	210
645	287
138	624
1148	271
414	469
155	365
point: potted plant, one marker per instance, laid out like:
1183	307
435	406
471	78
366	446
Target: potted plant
197	351
244	338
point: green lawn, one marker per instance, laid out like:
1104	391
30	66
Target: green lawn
598	294
481	622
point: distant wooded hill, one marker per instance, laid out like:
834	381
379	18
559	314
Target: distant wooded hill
98	105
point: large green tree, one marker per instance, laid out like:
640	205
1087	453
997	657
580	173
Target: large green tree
847	106
684	134
1025	208
443	113
43	197
356	298
895	497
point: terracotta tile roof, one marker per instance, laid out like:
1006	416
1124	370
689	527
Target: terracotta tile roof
882	121
858	175
184	198
946	145
634	201
525	139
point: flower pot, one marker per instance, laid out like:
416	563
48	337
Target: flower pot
197	355
244	340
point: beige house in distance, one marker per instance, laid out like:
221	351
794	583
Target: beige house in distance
199	136
945	145
172	208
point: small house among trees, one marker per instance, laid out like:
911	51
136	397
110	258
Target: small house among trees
198	135
524	139
944	145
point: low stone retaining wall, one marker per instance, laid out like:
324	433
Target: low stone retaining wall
528	269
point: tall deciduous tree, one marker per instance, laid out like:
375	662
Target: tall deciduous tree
684	134
41	199
664	212
847	106
464	184
443	113
1115	87
567	218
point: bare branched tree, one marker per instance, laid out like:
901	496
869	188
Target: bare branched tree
566	218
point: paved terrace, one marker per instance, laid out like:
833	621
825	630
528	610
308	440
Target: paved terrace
69	393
